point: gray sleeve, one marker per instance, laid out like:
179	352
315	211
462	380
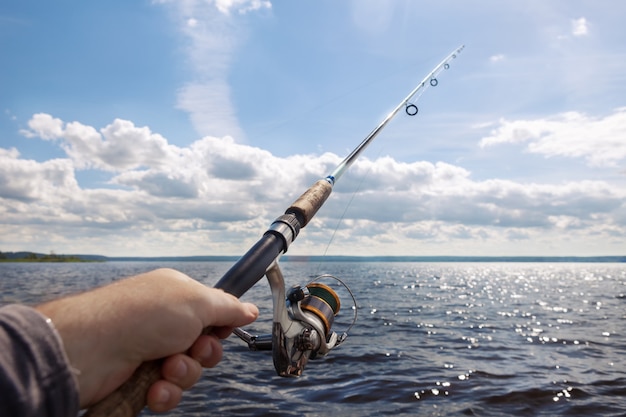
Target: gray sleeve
35	376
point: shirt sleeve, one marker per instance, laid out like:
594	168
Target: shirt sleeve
35	376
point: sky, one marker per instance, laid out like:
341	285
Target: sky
185	127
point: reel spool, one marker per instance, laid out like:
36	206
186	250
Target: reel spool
323	302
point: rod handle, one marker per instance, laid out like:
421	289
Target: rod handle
130	398
310	202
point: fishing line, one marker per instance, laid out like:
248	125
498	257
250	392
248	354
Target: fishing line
410	108
343	215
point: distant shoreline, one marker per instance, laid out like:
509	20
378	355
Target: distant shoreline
34	257
300	258
63	261
39	257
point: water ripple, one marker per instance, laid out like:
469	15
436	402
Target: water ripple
431	339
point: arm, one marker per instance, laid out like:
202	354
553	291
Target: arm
108	332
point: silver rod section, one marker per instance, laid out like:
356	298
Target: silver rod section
426	82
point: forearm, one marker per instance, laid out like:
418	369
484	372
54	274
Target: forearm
89	325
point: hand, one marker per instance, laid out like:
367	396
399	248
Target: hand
108	332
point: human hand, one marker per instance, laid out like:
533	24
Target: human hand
108	332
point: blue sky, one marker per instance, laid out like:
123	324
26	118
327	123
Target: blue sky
185	127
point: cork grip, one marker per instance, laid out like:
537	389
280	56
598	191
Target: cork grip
310	202
129	399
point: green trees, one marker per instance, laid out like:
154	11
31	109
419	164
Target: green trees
37	257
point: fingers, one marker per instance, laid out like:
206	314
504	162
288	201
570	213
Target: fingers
181	370
163	396
207	350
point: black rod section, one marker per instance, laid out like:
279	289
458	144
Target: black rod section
251	267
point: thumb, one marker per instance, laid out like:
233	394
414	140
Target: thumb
221	309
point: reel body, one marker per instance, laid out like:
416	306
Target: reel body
302	323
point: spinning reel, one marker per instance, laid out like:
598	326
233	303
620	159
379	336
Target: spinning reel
302	322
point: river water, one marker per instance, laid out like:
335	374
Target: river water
431	339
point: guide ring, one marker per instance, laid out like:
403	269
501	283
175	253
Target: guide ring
446	65
411	109
433	82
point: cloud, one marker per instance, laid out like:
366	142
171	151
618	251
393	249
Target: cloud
212	35
497	58
159	184
242	6
118	146
44	126
580	27
210	107
223	6
599	140
26	180
217	196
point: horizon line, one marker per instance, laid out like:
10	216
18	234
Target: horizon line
349	258
386	258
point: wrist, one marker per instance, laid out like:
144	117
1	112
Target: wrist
88	354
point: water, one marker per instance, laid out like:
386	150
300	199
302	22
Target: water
431	339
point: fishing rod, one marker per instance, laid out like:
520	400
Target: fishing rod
302	316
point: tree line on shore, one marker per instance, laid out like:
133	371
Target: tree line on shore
38	257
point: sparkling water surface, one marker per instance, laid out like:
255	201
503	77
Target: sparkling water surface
475	339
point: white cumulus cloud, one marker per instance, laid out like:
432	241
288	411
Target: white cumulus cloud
217	196
118	146
599	140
